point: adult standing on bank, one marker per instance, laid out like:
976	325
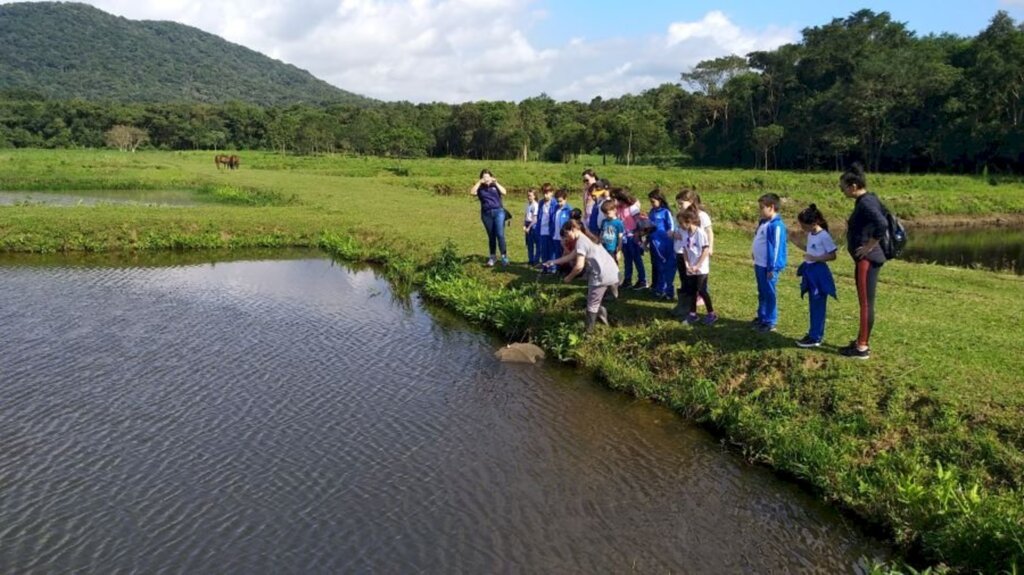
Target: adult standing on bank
492	214
864	232
602	271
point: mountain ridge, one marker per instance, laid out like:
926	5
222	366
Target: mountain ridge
67	50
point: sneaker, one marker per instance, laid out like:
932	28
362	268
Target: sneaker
765	328
806	341
710	319
490	262
504	261
852	351
691	319
756	323
639	286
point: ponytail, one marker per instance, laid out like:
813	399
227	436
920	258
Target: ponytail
812	216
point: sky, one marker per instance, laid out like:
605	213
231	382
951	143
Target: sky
468	50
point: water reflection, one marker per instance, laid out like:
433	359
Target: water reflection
282	416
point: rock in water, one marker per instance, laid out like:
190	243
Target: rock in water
519	353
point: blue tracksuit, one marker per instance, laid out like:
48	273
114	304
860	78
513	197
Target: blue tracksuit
558	218
544	240
662	219
663	262
816	280
769	256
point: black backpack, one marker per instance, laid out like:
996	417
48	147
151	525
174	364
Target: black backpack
895	237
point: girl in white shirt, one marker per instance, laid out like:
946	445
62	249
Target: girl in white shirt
816	277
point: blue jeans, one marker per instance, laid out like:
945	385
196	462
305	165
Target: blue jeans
634	253
494	223
767	296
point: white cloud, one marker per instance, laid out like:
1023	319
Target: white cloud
453	50
1012	3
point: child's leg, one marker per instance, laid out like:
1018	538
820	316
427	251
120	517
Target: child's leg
772	300
627	251
529	246
641	272
668	276
655	275
818	305
702	290
761	275
690	292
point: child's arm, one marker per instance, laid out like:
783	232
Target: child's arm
704	253
577	269
711	240
823	258
562	260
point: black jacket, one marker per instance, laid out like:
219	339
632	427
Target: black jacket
866	222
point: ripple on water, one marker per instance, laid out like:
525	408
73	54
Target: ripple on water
285	417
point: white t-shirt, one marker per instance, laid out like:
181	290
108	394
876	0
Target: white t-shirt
602	269
692	245
531	212
820	244
545	219
760	247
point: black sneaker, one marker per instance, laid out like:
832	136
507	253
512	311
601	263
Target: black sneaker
765	328
808	342
852	351
639	286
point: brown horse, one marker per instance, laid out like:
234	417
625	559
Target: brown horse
230	162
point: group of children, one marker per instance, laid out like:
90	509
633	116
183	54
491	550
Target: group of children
613	228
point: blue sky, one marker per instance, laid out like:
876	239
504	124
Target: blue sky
616	18
466	50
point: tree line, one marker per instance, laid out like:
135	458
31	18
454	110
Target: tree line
861	88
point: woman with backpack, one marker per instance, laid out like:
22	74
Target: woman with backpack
865	230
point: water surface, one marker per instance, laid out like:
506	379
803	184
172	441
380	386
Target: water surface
100	197
294	417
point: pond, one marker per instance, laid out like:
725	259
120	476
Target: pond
993	248
100	197
295	415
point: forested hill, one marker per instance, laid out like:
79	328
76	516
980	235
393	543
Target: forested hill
69	50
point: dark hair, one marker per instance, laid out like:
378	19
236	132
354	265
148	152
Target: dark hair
811	216
561	193
576	214
656	194
571	225
608	206
623	196
772	200
486	171
546	187
688	195
854	176
589	172
689	216
604	184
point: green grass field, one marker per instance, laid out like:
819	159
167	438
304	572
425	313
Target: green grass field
925	440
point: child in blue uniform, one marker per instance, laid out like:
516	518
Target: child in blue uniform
530	228
816	277
769	255
661	218
544	209
663	260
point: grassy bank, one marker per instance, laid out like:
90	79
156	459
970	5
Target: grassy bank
926	440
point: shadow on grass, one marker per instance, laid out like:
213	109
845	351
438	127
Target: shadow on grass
638	308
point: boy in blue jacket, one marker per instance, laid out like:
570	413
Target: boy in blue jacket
663	259
769	255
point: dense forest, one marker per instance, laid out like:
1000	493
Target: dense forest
70	50
861	88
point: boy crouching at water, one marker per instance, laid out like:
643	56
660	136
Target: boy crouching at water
602	271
